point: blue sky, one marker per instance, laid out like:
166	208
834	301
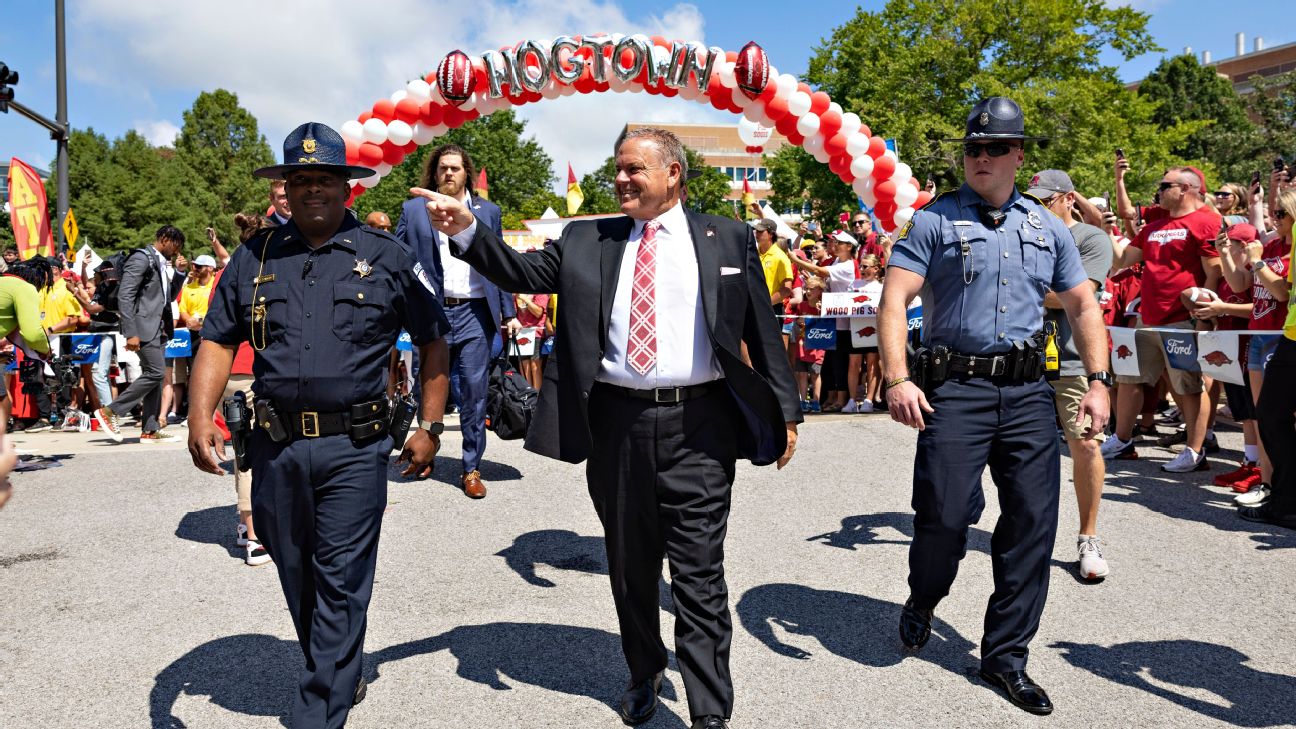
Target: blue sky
138	64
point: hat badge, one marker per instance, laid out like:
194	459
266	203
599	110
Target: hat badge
984	119
308	145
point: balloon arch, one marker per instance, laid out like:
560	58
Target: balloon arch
464	88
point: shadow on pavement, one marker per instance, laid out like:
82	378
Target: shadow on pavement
448	469
855	627
255	675
1170	495
215	525
1180	671
565	550
870	529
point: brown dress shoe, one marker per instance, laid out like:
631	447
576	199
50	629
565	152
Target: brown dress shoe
472	484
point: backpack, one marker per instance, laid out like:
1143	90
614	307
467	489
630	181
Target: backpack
510	400
111	270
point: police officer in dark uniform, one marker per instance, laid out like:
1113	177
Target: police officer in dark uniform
322	300
983	257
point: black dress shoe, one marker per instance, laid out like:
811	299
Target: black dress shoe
915	625
1265	514
709	722
639	702
1022	691
362	688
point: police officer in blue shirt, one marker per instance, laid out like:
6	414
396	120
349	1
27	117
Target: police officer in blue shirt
322	300
983	257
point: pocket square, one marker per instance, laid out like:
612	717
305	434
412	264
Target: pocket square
728	271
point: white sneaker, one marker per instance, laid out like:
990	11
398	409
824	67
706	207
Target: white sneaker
865	406
1256	496
242	536
1092	564
1111	447
109	423
256	554
1186	462
850	407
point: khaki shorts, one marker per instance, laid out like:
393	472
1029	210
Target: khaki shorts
180	370
1067	392
1153	360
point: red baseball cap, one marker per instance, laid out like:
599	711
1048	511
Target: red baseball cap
1243	232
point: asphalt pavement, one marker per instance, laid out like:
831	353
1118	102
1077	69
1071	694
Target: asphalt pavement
125	603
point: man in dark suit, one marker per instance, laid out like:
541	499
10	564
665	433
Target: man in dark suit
475	306
148	286
648	382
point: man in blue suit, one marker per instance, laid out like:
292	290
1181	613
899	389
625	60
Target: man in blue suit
475	307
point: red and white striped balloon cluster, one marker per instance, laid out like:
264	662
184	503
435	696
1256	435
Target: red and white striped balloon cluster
465	88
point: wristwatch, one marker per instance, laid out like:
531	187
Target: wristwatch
433	427
1103	377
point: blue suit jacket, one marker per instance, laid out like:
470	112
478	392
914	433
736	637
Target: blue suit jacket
416	231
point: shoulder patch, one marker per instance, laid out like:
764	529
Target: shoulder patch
904	231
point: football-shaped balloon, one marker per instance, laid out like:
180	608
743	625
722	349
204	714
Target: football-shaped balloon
456	78
751	70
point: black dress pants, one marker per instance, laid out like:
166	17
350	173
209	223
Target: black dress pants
660	478
1274	414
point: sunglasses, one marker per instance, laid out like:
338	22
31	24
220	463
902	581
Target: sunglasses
859	222
1279	214
1223	193
994	149
1167	185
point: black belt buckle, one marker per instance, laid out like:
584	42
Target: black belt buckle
310	424
675	393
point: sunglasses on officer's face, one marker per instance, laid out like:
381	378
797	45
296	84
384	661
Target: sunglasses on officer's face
994	149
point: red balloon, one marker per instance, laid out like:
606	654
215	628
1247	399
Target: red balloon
407	110
456	77
731	56
776	108
847	177
864	129
660	41
721	100
836	144
819	102
432	113
669	92
795	137
369	154
472	114
924	197
888	222
453	117
384	110
914	181
829	123
885	208
877	146
365	116
352	151
408	149
751	70
787	125
802	86
883	168
392	154
835	164
885	190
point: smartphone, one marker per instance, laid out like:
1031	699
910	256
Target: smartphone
1120	153
1279	163
1255	179
211	234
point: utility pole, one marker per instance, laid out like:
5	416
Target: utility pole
58	128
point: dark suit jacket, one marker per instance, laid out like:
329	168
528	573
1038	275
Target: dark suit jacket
582	267
145	313
417	232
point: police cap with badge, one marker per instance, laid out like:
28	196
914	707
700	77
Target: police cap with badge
991	124
314	146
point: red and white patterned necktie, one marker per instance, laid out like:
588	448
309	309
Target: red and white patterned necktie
643	303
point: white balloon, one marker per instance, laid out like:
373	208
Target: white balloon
851	123
862	166
808	125
434	94
399	96
423	134
399	133
892	155
752	112
383	169
906	195
868	196
418	90
745	103
787	84
821	155
469	104
813	143
352	130
799	103
438	129
860	185
903	215
370	181
903	173
856	144
834	106
375	131
747	131
727	78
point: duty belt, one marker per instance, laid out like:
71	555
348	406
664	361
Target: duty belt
1024	362
984	366
361	421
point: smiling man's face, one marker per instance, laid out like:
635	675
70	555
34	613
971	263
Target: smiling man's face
318	200
646	184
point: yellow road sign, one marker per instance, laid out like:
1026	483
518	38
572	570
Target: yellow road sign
70	229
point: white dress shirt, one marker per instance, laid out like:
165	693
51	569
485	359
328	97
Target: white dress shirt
460	281
684	353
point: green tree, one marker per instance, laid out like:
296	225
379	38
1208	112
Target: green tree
517	167
1187	91
221	146
912	71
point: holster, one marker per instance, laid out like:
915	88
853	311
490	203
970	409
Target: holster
919	365
271	421
403	411
939	369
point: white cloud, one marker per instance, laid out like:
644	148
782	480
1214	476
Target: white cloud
329	60
159	133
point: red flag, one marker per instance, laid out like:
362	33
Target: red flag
574	195
29	211
483	189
